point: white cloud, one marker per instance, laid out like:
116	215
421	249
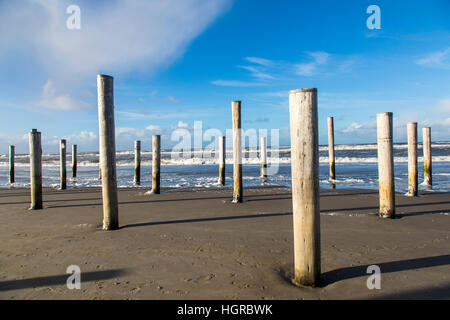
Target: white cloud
51	100
358	127
172	99
153	128
443	106
260	61
438	59
257	73
320	57
236	83
115	35
82	137
310	68
305	69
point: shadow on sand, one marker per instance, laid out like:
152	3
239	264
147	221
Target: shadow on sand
264	215
337	275
59	279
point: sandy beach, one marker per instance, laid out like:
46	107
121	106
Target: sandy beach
195	244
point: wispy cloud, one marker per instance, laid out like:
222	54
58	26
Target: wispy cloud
320	57
443	106
306	69
257	72
172	99
236	83
260	61
438	59
51	100
309	68
267	72
153	128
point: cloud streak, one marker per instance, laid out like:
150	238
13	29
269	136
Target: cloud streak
309	69
438	59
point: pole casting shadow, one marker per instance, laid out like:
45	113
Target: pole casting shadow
59	279
386	267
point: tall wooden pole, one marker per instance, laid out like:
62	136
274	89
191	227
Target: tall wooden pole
331	160
11	164
426	132
137	162
411	128
237	152
74	161
62	164
105	86
263	155
222	159
305	185
35	169
156	164
386	165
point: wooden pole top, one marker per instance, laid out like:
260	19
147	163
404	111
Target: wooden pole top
104	76
303	90
382	114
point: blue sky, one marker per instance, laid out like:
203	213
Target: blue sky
176	62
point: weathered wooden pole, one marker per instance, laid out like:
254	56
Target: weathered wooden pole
107	152
62	164
331	160
156	164
35	169
137	162
11	164
305	185
222	159
263	155
411	128
426	132
385	165
237	152
74	161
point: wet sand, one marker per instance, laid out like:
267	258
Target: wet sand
196	244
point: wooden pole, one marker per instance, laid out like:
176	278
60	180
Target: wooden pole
426	132
35	169
331	159
263	155
11	164
74	161
62	164
107	153
137	162
411	128
222	159
237	152
386	165
305	185
156	165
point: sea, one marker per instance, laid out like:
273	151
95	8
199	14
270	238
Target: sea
356	167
